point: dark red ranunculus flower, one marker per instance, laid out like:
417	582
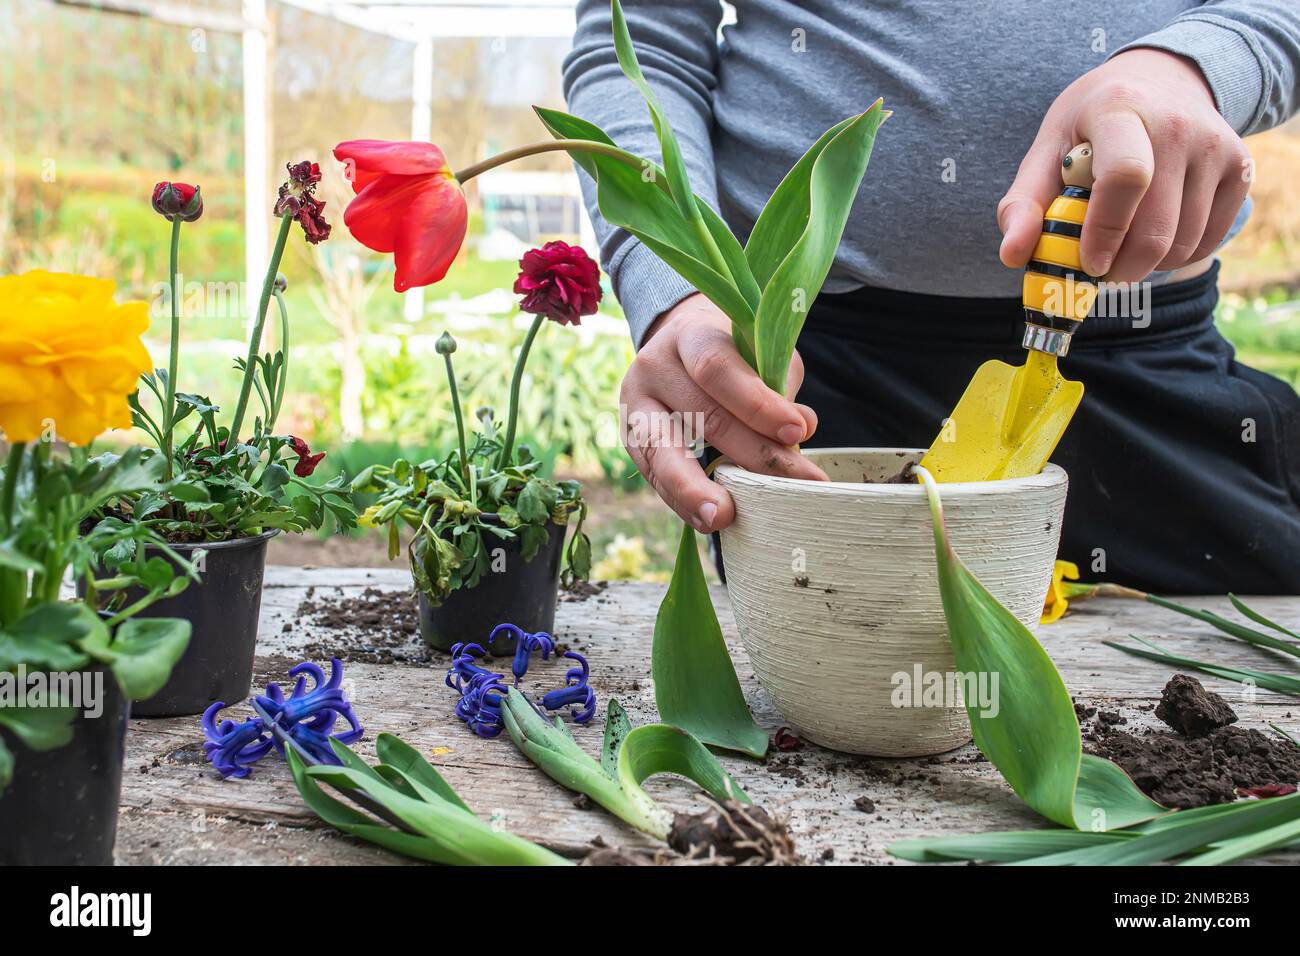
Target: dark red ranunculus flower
408	203
296	199
558	281
307	462
177	201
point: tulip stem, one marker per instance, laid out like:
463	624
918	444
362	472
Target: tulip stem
550	146
460	422
259	321
508	443
604	149
174	350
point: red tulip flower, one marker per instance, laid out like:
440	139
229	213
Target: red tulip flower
558	281
407	203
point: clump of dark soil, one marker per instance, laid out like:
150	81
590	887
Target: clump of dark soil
1192	710
582	590
1206	762
373	627
906	476
733	833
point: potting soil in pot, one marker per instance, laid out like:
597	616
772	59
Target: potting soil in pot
1207	761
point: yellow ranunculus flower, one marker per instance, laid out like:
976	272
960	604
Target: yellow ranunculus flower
69	356
1057	597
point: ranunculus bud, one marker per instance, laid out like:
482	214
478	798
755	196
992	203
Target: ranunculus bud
558	281
177	201
281	283
445	345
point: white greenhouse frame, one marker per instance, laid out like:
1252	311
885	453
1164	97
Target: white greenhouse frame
417	22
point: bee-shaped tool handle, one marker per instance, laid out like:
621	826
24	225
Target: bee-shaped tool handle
1058	294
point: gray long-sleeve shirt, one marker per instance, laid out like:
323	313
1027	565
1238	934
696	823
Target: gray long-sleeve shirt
969	81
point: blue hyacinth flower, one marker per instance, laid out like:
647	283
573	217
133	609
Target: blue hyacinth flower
233	748
525	645
324	703
480	704
307	716
576	691
464	665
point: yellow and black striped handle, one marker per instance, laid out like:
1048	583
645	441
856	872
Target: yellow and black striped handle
1058	294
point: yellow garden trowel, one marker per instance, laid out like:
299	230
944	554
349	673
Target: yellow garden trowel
1010	418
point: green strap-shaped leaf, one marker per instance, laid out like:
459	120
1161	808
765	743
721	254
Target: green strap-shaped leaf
696	687
1282	683
617	727
1258	618
1007	846
678	182
1033	739
659	748
343	817
397	753
448	826
785	215
631	195
833	180
1232	628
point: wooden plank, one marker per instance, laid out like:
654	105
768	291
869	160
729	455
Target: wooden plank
178	810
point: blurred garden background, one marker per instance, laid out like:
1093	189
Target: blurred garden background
99	99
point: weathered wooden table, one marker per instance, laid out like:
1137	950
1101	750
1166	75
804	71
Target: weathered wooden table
176	809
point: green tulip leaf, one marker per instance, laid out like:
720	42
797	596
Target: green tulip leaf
396	752
628	758
678	182
833	178
631	195
696	687
659	748
1033	739
425	826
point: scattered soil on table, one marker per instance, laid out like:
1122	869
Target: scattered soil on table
1206	766
373	627
733	833
581	590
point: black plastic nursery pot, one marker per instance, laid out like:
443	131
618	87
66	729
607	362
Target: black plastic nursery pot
223	609
524	593
60	808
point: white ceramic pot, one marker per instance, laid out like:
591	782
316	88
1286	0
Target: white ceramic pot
835	593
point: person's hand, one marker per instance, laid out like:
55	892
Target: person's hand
689	375
1171	174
